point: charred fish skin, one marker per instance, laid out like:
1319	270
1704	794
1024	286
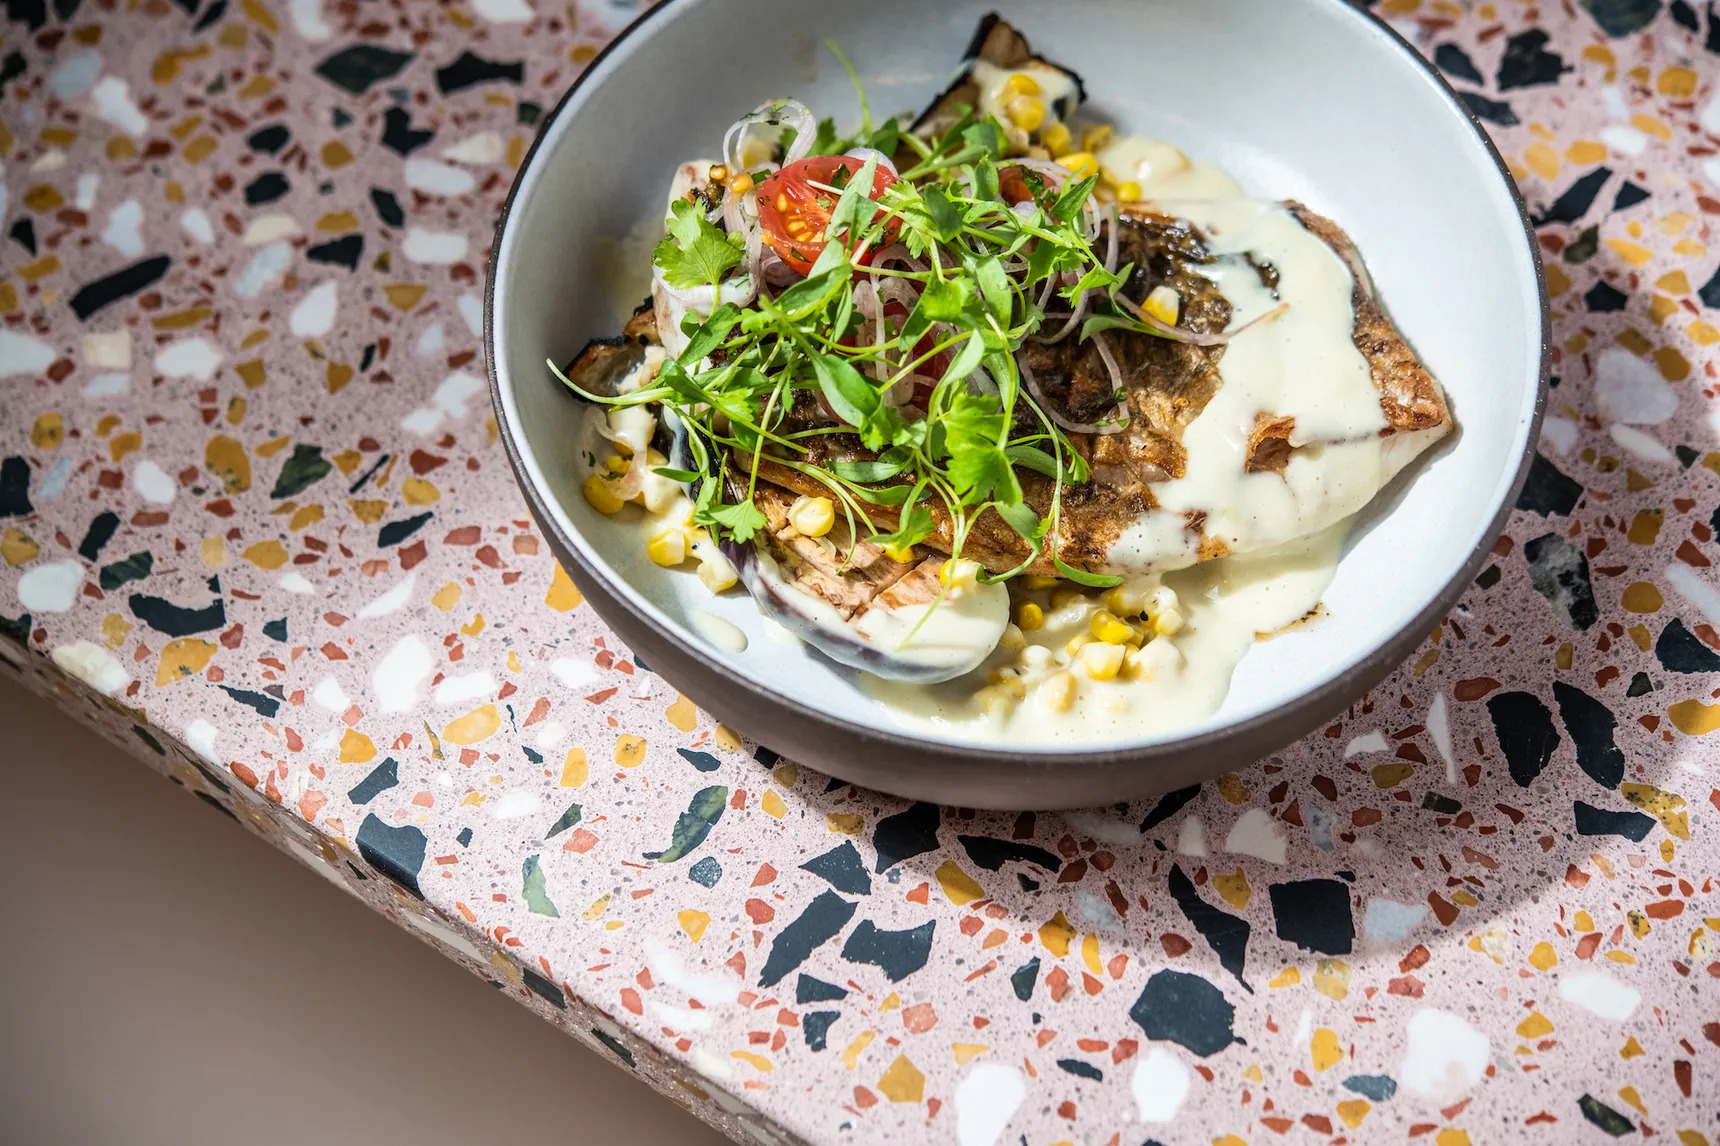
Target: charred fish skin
604	363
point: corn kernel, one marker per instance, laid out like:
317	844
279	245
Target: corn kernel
716	574
718	174
1029	616
1106	627
667	547
1057	692
1007	679
1102	662
1164	304
1021	84
615	464
1013	637
742	183
1075	643
1064	597
959	573
1057	140
812	516
1081	163
1096	138
1026	112
902	553
1129	192
1168	623
1039	581
994	700
600	496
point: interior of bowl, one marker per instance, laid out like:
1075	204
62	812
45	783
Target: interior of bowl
1301	99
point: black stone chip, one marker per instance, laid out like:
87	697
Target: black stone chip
1024	978
991	853
1492	110
23	233
1709	292
133	568
1605	1117
342	252
356	68
1169	805
1684	14
1640	685
842	868
1576	200
1604	298
469	69
266	188
269	140
809	989
1526	733
1225	933
1680	650
910	832
210	14
176	620
1455	62
1591	725
1583	247
123	283
384	776
897	953
1548	490
1488	577
815	1028
15	487
12	67
1629	195
399	135
1593	821
397	852
100	532
1622	17
387	207
1527	62
394	532
1185	1009
827	914
1314	914
265	705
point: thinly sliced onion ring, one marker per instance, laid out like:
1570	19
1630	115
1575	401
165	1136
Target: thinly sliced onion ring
1045	404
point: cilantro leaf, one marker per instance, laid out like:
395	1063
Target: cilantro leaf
946	220
1082	577
849	395
1068	204
739	521
710	334
694	253
974	428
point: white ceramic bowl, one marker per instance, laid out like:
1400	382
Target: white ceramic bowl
1307	99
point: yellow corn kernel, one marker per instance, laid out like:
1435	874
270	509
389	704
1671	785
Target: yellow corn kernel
1081	163
994	700
615	464
1029	616
1164	304
1039	581
1168	623
1075	643
902	553
1106	627
1101	661
1057	691
1129	192
600	496
1096	138
959	573
1057	140
1021	84
1064	597
1007	679
1013	637
715	572
667	547
1026	112
1120	600
742	183
812	516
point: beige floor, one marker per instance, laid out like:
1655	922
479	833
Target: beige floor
166	978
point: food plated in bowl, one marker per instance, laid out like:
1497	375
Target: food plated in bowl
968	453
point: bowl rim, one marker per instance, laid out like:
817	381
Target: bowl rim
1329	696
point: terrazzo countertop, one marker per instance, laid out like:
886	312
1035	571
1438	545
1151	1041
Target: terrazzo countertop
258	527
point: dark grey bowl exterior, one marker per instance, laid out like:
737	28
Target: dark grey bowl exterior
904	764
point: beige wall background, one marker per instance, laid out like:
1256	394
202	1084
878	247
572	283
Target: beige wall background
167	978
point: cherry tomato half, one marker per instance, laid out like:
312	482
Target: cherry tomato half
794	213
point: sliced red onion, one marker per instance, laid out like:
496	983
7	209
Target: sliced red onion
1179	334
780	114
865	153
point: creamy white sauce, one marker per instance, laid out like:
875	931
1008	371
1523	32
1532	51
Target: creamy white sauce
1227	605
1302	364
1162	171
723	633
